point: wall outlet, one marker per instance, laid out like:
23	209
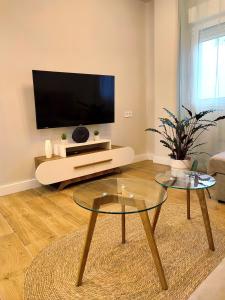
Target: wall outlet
128	114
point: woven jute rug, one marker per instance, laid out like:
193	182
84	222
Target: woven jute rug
126	271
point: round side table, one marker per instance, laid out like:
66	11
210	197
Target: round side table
121	196
189	180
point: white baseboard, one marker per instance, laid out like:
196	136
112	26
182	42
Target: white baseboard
143	156
162	160
18	186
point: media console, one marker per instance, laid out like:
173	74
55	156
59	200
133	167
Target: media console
90	159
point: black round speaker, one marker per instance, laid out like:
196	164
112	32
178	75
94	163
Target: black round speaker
80	134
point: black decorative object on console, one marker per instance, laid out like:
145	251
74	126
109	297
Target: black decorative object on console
80	134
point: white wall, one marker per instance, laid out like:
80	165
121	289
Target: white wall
149	83
135	41
166	33
87	36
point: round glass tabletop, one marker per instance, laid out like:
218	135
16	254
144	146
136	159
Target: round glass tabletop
187	180
120	195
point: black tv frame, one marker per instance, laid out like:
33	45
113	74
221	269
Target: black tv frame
75	122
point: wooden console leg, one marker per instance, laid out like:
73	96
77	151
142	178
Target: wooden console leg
205	215
89	235
188	205
65	183
123	225
155	254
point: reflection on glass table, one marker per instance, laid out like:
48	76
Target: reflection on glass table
135	194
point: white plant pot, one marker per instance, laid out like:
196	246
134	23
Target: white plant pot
177	166
48	149
96	137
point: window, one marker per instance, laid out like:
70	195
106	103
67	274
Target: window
211	63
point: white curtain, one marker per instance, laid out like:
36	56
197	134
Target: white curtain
202	65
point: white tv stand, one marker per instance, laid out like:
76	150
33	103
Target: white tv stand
91	159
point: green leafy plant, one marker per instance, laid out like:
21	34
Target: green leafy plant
181	135
63	136
96	132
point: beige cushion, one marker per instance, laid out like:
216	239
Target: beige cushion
213	287
217	163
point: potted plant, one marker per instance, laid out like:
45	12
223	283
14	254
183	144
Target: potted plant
181	136
64	138
96	135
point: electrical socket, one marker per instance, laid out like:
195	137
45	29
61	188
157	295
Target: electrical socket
128	114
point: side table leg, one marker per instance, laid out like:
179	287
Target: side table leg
205	215
156	216
158	208
123	225
155	254
188	205
87	244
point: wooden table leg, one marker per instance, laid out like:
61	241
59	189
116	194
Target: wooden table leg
205	215
156	216
158	208
87	244
188	205
151	241
123	225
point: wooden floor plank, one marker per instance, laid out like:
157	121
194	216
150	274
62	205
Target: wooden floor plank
5	229
13	256
28	227
12	288
36	246
56	218
64	202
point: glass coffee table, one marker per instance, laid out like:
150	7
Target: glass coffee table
189	180
121	196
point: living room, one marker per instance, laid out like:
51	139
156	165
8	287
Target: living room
76	197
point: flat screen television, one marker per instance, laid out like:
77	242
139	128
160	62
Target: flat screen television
72	99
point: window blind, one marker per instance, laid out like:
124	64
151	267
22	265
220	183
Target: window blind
212	32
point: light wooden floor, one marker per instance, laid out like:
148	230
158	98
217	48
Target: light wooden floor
31	220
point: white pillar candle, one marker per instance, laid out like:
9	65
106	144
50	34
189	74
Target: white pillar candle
48	149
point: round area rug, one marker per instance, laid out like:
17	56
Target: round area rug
127	271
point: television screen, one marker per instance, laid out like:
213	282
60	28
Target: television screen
71	99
